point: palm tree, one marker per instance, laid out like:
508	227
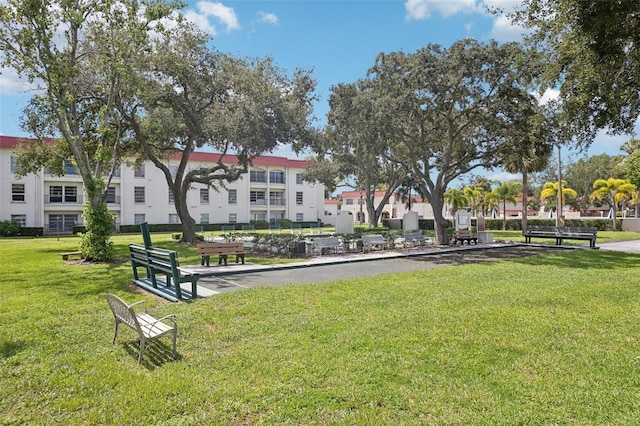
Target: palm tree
630	145
473	195
507	191
612	191
550	193
531	158
456	199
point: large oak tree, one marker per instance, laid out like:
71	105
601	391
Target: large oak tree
592	53
449	111
192	97
78	52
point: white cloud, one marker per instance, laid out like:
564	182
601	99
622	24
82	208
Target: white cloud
504	30
267	18
504	177
506	6
548	95
11	84
421	9
610	144
205	10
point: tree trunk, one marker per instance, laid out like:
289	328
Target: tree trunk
504	214
96	242
188	224
440	224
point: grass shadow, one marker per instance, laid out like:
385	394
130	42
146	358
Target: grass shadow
155	356
11	348
582	259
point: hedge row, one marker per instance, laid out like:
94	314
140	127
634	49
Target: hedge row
515	224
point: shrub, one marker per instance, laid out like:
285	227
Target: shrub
8	228
32	231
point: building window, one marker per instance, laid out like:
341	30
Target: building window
298	178
62	223
173	218
299	217
110	196
14	164
70	194
275	217
19	218
299	198
233	196
17	192
55	194
138	194
276	198
233	217
69	168
257	198
259	217
139	171
138	218
204	218
171	199
204	196
276	177
257	176
349	201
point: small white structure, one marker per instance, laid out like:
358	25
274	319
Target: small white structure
410	221
462	220
344	223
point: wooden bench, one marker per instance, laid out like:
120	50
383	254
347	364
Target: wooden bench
161	262
223	250
67	255
414	239
147	327
561	233
463	235
374	242
327	244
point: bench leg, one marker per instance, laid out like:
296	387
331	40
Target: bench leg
240	257
142	349
222	258
205	259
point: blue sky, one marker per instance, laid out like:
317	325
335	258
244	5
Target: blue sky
339	40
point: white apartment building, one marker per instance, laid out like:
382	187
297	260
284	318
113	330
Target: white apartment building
352	202
272	190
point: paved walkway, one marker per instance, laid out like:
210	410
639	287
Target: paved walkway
220	278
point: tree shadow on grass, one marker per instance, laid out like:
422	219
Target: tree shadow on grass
582	259
9	348
156	355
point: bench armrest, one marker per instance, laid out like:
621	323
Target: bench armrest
186	271
170	317
136	303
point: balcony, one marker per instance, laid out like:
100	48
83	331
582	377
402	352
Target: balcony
113	199
277	202
63	199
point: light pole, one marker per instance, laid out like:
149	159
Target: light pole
559	200
361	213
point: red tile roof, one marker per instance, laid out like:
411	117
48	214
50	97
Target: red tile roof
265	160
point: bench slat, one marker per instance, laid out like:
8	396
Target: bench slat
222	250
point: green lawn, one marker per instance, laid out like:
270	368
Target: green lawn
550	339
